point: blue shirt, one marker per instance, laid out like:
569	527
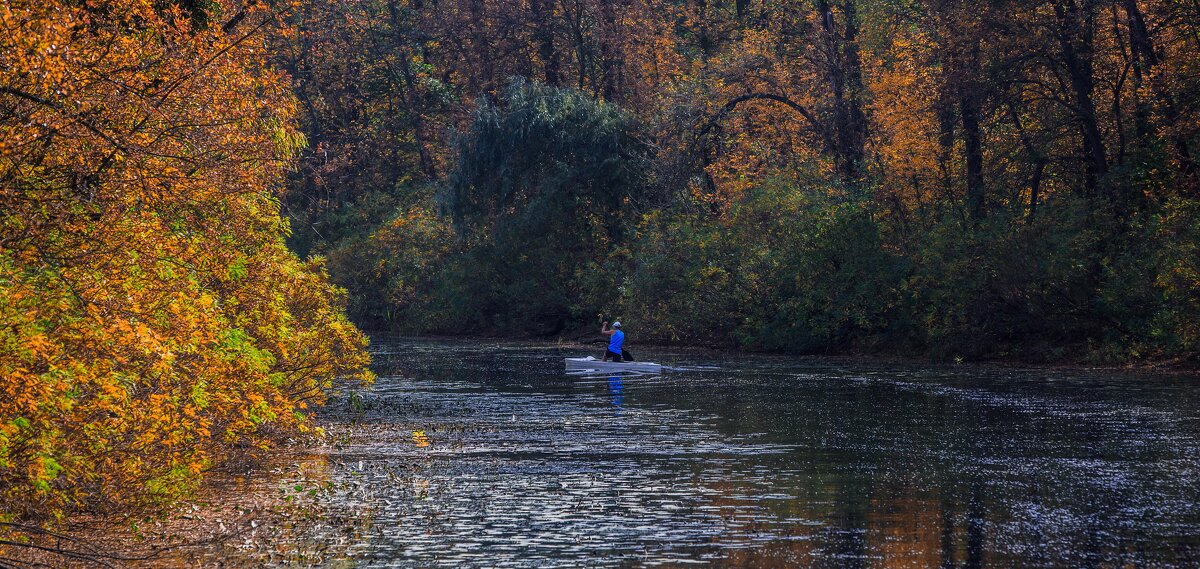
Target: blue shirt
614	345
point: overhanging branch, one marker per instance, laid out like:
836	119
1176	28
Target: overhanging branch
733	103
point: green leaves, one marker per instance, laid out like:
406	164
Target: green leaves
540	196
237	270
537	160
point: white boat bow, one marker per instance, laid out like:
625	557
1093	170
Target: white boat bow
601	365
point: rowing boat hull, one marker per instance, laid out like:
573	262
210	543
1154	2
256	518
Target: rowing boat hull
599	365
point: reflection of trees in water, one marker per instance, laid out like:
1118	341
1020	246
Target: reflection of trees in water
962	537
853	525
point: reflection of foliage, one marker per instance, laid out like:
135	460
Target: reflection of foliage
153	322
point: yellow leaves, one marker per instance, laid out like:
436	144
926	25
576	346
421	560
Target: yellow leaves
420	439
164	231
38	343
905	123
113	391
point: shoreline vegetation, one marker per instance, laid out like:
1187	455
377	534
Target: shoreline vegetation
951	181
201	201
583	340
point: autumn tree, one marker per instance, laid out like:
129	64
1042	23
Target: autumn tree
153	322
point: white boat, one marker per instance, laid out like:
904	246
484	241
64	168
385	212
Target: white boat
591	363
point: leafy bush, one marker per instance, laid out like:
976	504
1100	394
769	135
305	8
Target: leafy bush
539	195
1151	293
391	269
1176	325
1002	285
789	269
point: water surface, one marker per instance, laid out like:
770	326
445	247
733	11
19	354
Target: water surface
752	461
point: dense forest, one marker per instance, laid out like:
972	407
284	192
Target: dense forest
195	193
957	179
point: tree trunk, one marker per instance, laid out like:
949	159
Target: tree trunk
479	42
409	95
1035	187
1076	31
856	117
1040	160
973	149
542	12
969	96
1143	58
610	54
742	6
844	70
706	43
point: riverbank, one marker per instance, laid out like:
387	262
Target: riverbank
256	509
589	339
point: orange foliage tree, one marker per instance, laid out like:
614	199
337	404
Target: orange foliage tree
151	319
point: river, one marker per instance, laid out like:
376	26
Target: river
490	454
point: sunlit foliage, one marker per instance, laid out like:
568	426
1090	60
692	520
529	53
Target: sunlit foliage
151	319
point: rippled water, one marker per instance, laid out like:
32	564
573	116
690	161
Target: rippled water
759	462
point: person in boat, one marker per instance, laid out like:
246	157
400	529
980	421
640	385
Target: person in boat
616	343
